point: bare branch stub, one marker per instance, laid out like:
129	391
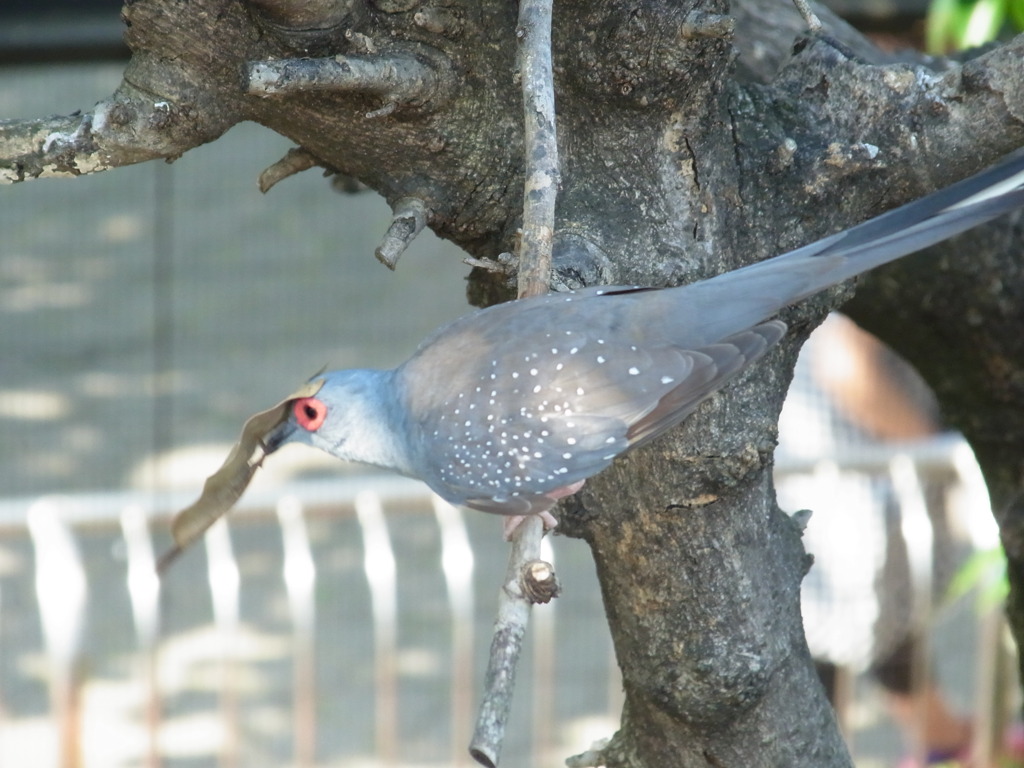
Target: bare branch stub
439	21
402	80
505	263
538	582
296	160
409	217
698	25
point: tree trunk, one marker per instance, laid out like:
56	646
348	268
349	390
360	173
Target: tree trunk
678	162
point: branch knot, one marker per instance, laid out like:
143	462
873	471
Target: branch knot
538	582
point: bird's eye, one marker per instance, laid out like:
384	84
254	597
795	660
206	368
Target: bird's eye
309	413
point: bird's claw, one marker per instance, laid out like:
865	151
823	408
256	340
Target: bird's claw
509	524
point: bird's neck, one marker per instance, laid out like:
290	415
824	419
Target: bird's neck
376	434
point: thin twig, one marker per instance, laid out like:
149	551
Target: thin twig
509	629
542	178
810	17
526	580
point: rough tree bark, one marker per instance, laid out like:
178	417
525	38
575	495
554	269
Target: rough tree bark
692	142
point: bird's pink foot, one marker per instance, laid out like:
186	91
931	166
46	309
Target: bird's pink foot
510	524
569	490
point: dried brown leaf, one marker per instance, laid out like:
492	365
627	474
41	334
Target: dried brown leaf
225	486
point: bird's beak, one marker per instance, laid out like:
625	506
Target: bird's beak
278	436
277	425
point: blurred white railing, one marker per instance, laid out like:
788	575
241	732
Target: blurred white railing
67	599
313	717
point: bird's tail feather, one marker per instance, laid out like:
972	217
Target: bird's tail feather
770	285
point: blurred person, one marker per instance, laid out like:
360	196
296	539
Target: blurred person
858	599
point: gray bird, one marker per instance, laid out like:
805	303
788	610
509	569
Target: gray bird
510	408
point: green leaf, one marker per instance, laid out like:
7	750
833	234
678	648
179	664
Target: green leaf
1016	12
986	572
984	21
944	20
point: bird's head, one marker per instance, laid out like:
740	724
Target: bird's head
306	416
335	419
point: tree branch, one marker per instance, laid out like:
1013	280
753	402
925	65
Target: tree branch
180	90
528	579
130	127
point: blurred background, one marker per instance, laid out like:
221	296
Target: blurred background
342	618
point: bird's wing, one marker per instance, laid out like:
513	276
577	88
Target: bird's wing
548	408
725	360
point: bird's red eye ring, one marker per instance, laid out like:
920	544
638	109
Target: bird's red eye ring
309	413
